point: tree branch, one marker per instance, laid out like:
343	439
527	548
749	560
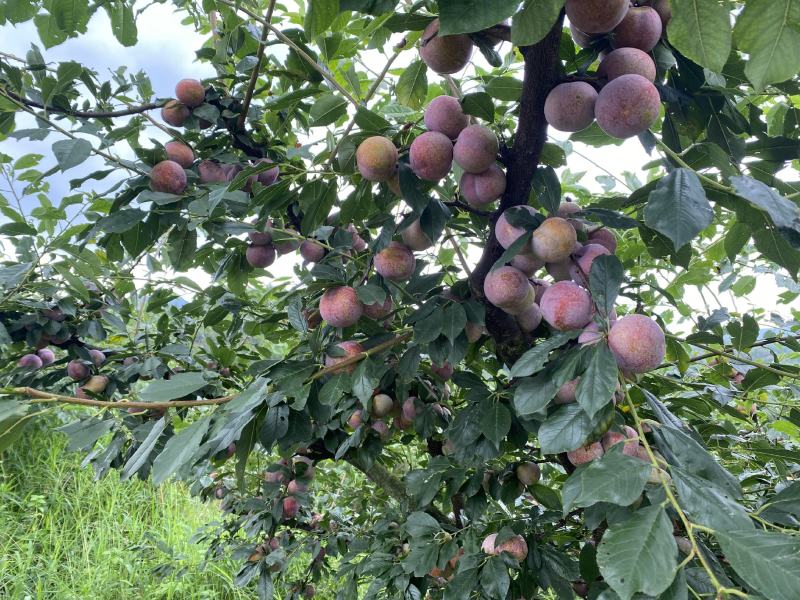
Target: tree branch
122	405
351	360
251	86
541	74
85	114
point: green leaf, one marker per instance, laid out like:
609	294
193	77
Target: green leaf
327	109
371	121
531	24
179	450
508	89
495	421
316	199
605	278
783	212
138	459
120	221
639	554
495	580
768	31
535	359
319	16
615	478
71	15
479	104
547	187
71	153
774	247
412	86
735	239
178	386
123	22
678	207
681	449
707	504
598	383
564	430
783	507
454	319
467	16
701	30
769	562
49	31
420	524
181	247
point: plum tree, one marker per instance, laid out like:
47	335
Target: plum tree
627	106
445	115
445	54
377	158
431	156
482	389
627	61
570	106
476	149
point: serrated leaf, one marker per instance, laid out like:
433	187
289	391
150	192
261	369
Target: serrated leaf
784	213
701	30
770	562
327	109
707	504
639	554
605	278
142	453
71	153
535	359
412	86
178	386
479	104
179	450
467	16
598	383
531	24
564	430
508	89
678	207
319	16
495	421
615	478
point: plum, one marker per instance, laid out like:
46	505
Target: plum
570	106
376	158
528	473
508	289
395	262
260	257
583	260
382	405
596	16
638	343
378	311
77	370
444	54
505	232
169	177
567	306
566	393
290	507
554	240
627	61
48	356
431	156
312	251
585	454
175	113
180	153
530	318
415	238
445	115
641	28
527	263
340	306
604	237
476	149
627	106
30	361
190	92
480	189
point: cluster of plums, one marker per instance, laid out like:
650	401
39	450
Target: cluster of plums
628	103
294	476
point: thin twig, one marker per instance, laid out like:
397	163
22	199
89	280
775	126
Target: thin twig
251	86
459	253
122	404
85	114
351	360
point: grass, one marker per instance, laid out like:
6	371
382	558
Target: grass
65	536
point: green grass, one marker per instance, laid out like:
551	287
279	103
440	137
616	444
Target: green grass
65	536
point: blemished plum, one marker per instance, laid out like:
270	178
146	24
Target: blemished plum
168	176
567	209
296	487
629	438
505	232
382	405
260	257
98	358
515	546
604	237
561	270
445	115
340	306
48	356
508	289
585	454
312	251
530	318
528	473
570	106
641	28
261	238
596	16
584	258
409	408
395	262
567	306
190	92
180	153
445	370
431	156
566	393
290	507
480	189
30	361
175	113
350	349
415	238
376	158
379	311
96	384
382	429
211	172
355	420
270	176
527	263
476	149
554	240
77	370
627	106
539	286
445	54
637	343
582	39
591	334
627	61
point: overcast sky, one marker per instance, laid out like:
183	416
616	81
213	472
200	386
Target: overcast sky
166	51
